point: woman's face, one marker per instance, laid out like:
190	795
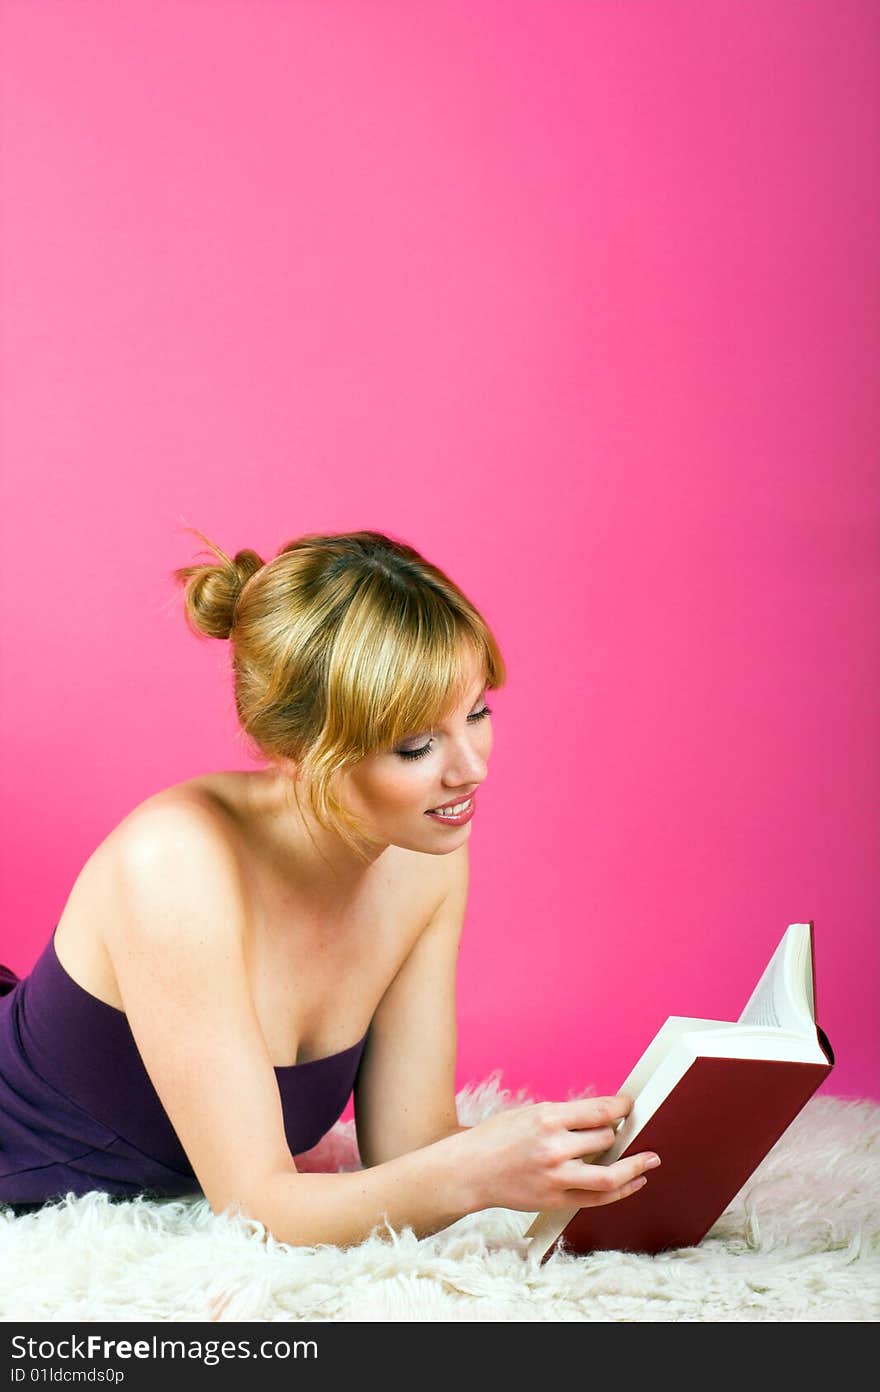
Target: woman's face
394	791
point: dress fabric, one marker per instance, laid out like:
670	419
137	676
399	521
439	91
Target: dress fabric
78	1110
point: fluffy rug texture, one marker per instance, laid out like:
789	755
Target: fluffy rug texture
800	1242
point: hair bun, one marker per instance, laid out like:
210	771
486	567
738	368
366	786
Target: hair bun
246	564
213	590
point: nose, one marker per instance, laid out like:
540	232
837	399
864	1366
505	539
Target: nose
466	770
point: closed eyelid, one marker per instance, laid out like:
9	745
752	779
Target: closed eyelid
474	707
481	705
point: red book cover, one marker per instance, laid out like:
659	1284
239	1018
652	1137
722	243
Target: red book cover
711	1133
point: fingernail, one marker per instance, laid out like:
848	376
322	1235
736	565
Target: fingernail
652	1162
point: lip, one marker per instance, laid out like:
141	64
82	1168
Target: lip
456	821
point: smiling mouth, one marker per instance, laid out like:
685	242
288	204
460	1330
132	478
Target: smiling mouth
457	809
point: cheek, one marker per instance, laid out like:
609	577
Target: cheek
411	787
399	790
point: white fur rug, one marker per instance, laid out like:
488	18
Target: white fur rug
801	1242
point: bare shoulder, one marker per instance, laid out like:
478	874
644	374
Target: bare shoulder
172	851
177	948
178	817
183	811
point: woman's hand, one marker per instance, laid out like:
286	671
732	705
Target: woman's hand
533	1157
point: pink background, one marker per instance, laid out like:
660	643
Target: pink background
582	300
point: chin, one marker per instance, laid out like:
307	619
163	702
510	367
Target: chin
428	845
449	840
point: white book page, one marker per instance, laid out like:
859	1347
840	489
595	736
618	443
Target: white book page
758	1042
783	997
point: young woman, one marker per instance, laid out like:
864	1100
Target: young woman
246	948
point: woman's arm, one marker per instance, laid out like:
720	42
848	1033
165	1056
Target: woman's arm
405	1089
424	1190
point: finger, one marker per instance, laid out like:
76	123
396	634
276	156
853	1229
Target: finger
585	1113
578	1199
605	1179
587	1146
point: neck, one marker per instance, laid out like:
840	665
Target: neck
324	863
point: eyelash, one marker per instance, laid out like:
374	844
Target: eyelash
425	749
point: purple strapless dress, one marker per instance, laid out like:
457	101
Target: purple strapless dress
78	1110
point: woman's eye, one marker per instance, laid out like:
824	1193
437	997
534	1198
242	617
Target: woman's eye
426	748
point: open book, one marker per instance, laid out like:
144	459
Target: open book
711	1098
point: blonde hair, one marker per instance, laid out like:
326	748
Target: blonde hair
343	645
